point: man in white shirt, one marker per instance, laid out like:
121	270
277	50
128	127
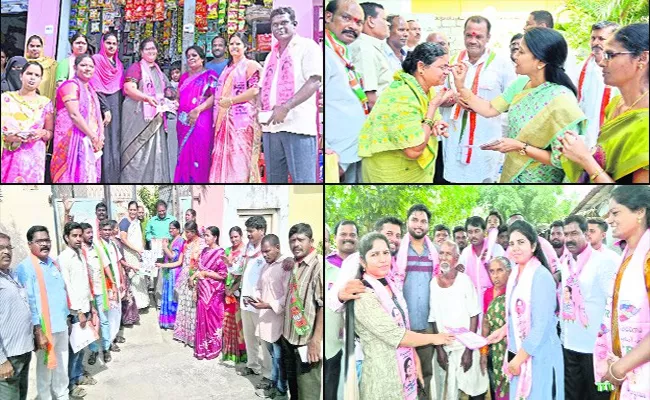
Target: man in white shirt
75	275
399	33
587	276
111	257
292	75
368	54
596	233
457	367
593	94
544	19
415	34
488	76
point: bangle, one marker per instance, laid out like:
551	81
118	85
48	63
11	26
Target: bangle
612	373
428	122
523	149
485	350
596	174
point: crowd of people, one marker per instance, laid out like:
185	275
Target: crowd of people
102	123
247	303
398	110
561	316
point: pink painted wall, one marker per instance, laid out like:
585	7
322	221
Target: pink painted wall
40	14
208	202
304	14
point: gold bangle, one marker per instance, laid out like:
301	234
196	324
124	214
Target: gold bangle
596	174
428	122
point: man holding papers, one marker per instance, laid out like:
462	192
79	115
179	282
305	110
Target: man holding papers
457	367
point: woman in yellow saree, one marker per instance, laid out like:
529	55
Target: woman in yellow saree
397	142
34	51
541	106
621	152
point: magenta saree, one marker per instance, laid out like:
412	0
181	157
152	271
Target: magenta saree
194	142
211	294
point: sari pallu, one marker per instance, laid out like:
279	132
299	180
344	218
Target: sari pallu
210	305
622	147
26	163
168	303
73	159
138	281
195	142
238	135
395	124
185	327
496	318
539	117
234	346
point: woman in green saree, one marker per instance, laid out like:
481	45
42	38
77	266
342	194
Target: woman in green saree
398	140
541	105
621	152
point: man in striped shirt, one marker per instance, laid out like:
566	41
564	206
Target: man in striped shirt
16	329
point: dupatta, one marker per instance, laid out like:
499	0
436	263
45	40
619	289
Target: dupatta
108	77
47	87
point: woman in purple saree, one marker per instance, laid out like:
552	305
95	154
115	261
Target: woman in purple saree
194	125
211	296
170	270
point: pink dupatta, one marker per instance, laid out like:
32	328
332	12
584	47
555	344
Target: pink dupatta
108	78
285	85
401	259
476	270
576	302
403	354
149	88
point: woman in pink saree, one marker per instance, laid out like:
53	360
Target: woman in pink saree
27	125
211	296
79	131
194	127
238	134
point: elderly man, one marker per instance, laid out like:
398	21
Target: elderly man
415	34
345	101
593	94
457	367
440	39
399	33
489	74
368	53
16	329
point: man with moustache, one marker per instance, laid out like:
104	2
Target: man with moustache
503	238
458	367
48	303
588	274
596	233
557	239
544	19
460	237
415	34
346	235
16	329
593	94
440	234
345	100
220	61
398	35
101	213
368	53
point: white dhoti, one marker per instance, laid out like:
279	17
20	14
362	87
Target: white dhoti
472	382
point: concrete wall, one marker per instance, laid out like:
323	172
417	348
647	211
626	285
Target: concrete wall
306	205
208	203
42	15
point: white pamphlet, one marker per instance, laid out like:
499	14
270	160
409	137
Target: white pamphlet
82	337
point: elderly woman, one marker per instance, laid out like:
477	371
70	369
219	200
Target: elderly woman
534	363
622	352
494	309
621	152
382	323
397	142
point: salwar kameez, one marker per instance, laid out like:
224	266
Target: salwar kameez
210	305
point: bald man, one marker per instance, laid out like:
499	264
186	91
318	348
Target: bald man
439	38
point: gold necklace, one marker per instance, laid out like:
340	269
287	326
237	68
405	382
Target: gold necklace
633	104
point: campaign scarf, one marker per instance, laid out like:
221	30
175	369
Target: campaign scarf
518	305
627	305
104	290
285	86
356	82
607	93
402	354
576	302
108	76
401	258
149	88
475	267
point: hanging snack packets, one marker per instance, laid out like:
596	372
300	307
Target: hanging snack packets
213	9
149	6
201	17
241	18
159	11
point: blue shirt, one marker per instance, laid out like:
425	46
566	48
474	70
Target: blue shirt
217	67
419	270
56	295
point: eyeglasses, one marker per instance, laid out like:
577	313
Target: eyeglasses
608	56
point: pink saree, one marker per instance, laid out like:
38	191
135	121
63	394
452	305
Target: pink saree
238	134
73	160
211	296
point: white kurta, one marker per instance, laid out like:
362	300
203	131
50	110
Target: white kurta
484	165
593	90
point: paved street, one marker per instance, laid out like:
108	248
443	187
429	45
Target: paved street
152	366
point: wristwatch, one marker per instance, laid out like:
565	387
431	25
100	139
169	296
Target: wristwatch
523	149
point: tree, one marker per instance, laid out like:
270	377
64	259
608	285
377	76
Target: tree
149	199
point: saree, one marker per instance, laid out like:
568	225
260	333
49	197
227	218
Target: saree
238	135
168	304
210	305
47	87
73	159
144	153
184	329
195	142
234	347
25	163
138	281
395	124
621	148
539	117
496	318
130	312
65	69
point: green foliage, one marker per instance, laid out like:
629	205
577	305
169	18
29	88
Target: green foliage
149	199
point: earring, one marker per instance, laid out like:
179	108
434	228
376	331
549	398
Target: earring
639	220
641	66
539	67
421	72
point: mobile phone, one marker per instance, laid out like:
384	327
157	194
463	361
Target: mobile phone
248	299
511	355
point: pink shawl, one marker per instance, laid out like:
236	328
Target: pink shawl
107	77
285	85
576	302
402	257
475	269
403	354
149	88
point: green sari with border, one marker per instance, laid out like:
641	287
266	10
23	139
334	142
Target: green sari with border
622	146
395	124
539	116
